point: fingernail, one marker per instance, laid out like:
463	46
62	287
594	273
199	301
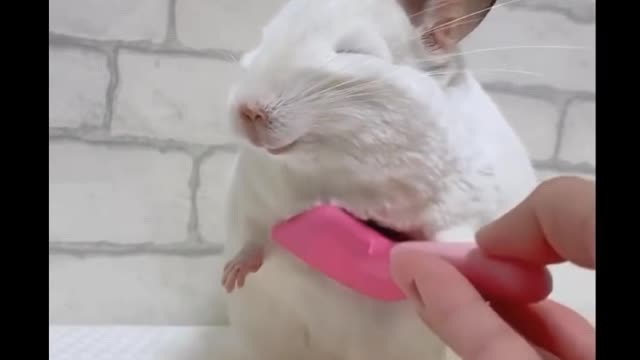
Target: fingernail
402	275
414	295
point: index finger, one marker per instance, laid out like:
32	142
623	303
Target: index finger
454	310
556	222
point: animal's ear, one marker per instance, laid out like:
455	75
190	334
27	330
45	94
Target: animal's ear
444	23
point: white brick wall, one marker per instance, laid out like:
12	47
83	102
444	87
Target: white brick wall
579	134
110	19
139	145
545	33
229	24
215	177
118	195
78	83
536	118
149	289
172	97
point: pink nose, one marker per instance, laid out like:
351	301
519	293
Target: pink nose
252	114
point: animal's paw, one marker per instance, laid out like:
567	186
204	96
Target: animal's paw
237	269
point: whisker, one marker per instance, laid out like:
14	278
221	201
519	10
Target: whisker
429	8
474	13
332	92
362	85
361	91
453	23
523	72
319	83
333	99
363	95
294	95
339	84
476	51
449	24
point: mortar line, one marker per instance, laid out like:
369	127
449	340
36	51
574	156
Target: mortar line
194	185
99	136
185	249
57	41
193	225
546	93
171	37
169	48
560	127
114	78
564	166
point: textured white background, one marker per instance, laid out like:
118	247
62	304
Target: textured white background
140	153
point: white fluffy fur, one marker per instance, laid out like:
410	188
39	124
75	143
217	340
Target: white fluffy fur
385	140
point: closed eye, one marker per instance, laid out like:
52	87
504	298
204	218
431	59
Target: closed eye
359	44
358	51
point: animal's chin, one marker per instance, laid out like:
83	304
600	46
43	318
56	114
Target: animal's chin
277	150
385	230
273	149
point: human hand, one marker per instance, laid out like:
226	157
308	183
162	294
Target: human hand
555	223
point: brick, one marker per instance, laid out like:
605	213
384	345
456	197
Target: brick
215	178
173	97
78	81
120	195
571	69
578	143
535	121
110	20
228	24
140	290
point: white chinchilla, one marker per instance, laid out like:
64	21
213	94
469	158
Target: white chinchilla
359	103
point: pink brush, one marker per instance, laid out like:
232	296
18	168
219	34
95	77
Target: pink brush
346	250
